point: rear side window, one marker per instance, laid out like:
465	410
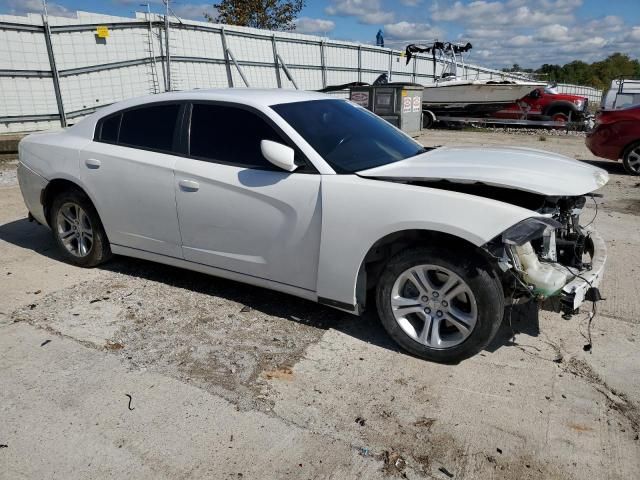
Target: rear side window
109	129
229	135
149	128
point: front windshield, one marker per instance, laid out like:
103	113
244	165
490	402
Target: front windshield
348	137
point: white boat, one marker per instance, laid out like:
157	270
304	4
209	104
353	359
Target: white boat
454	94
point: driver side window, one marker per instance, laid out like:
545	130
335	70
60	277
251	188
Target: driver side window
230	135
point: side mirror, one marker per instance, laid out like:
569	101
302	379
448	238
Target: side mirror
278	154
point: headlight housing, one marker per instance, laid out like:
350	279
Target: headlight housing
528	229
579	104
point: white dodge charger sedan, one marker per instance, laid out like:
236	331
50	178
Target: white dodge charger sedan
317	197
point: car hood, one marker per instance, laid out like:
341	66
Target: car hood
525	169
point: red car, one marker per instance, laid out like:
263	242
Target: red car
546	104
615	135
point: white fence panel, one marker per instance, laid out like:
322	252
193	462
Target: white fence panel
131	62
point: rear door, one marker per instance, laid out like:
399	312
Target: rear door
237	211
128	171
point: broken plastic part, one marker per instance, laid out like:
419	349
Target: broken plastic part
547	278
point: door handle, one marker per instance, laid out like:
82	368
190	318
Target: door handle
92	163
189	186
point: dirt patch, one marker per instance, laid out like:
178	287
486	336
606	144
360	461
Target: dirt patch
629	206
615	400
579	428
219	335
280	373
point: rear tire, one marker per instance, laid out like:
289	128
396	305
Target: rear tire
440	305
78	231
631	159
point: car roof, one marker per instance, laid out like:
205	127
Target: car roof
249	96
254	97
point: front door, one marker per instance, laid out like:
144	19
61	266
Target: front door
238	212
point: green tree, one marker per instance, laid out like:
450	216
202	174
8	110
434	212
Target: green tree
265	14
597	74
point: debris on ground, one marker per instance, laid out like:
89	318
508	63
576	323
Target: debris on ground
45	342
360	421
446	472
130	399
424	422
393	462
113	345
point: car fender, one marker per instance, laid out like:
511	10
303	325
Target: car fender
357	212
55	156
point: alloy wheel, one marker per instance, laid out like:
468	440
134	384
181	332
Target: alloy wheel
74	229
633	160
434	306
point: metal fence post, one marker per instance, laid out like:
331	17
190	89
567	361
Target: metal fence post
226	58
323	64
54	72
275	60
287	72
166	48
413	74
359	63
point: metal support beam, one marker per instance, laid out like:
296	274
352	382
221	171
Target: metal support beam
54	72
244	79
226	58
413	74
166	48
359	64
287	72
323	64
275	61
25	73
390	64
19	27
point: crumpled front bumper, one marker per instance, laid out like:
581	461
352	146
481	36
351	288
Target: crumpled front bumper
573	293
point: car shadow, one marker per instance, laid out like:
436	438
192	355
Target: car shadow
613	167
367	328
30	235
518	319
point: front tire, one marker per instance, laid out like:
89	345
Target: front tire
78	231
440	305
631	159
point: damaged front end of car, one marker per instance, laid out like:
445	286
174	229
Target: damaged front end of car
551	257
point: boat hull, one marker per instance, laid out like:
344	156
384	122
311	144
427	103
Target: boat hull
477	98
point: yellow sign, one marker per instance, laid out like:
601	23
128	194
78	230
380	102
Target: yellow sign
102	32
404	93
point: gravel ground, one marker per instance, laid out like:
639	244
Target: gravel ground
8	172
311	392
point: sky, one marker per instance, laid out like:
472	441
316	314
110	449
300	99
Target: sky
503	32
